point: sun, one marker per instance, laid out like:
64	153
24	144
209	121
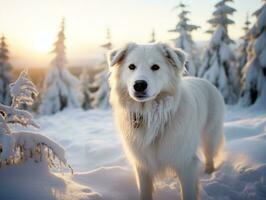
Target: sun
43	43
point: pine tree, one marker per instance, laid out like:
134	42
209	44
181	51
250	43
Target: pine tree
61	88
100	86
100	97
242	60
5	75
254	89
152	37
219	65
184	40
86	85
108	45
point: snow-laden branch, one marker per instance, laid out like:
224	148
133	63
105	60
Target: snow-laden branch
17	147
23	91
14	115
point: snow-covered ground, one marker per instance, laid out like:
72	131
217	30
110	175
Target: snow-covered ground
94	151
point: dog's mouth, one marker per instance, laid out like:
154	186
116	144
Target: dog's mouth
142	97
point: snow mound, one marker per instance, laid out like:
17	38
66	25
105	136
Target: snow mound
34	181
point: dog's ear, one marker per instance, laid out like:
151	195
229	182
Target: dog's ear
116	56
174	56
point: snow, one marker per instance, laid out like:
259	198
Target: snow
87	136
260	43
224	9
101	171
34	181
220	20
262	58
261	23
217	36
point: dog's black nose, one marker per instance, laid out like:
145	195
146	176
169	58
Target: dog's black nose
140	86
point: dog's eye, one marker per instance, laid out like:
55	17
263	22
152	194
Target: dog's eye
132	67
155	67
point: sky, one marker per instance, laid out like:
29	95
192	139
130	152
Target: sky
31	26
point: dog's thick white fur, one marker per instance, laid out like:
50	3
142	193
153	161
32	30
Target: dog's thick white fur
164	121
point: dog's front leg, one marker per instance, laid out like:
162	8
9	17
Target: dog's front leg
188	177
145	185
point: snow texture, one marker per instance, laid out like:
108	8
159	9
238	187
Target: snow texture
254	72
61	89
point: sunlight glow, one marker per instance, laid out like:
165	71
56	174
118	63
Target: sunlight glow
43	42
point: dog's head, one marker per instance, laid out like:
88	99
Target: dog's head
147	70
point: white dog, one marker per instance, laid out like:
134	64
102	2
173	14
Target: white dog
164	117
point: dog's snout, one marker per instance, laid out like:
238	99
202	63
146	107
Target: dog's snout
140	86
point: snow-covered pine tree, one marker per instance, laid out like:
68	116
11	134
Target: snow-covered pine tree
243	53
86	86
5	76
23	146
100	97
61	88
152	36
184	40
108	45
100	86
254	72
219	66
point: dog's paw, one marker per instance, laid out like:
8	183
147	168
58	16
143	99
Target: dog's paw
209	168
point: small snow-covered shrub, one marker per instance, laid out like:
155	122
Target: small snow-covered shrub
21	146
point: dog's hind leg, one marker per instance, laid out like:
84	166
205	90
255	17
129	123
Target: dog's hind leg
145	185
188	177
212	143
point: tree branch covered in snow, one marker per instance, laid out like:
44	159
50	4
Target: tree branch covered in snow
23	91
20	146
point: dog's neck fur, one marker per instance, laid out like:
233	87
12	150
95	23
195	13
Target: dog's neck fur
152	117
